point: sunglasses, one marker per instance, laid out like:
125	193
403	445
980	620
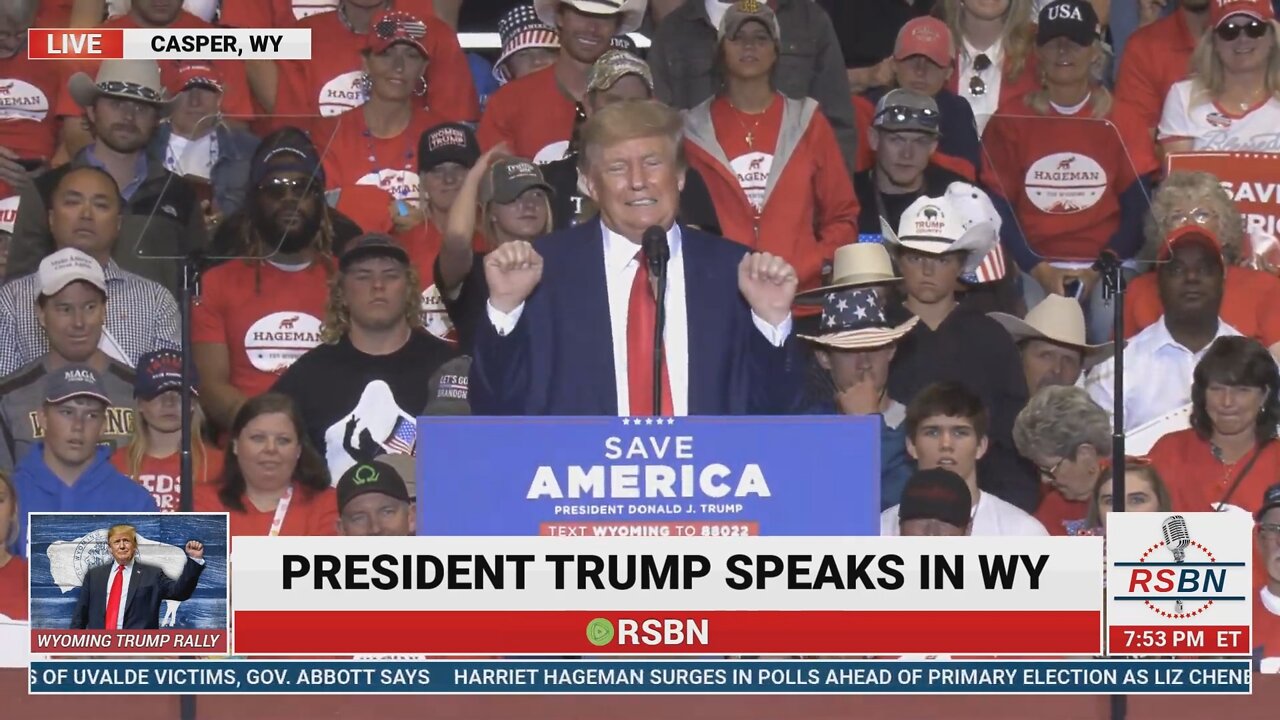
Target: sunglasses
1253	29
899	114
978	86
277	188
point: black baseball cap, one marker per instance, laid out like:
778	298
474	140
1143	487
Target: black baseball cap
1075	20
370	477
1270	499
936	494
371	245
447	142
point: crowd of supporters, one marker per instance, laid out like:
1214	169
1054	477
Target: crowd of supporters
873	207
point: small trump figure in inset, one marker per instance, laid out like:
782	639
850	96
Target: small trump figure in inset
125	594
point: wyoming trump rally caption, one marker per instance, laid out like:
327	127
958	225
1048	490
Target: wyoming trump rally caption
768	595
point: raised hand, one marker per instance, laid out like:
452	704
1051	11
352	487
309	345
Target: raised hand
512	271
195	549
769	284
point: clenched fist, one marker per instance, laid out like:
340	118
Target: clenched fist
769	284
512	271
195	549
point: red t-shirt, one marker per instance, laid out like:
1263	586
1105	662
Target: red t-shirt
1266	636
541	136
53	13
1155	57
28	91
1063	174
310	513
752	162
394	163
162	477
236	99
13	589
271	13
1249	301
423	243
328	83
267	317
1059	515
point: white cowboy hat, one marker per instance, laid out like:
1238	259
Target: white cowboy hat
854	265
854	319
129	79
632	11
1057	319
958	221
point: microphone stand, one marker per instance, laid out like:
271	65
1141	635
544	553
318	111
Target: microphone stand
191	266
658	269
1111	271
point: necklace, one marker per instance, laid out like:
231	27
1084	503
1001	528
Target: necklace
409	152
751	131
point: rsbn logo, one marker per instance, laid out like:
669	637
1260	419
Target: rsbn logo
1178	577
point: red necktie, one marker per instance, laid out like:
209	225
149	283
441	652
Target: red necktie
113	599
642	315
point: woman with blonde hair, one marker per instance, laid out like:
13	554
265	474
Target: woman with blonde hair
513	201
1074	170
1250	296
994	60
153	457
13	569
1232	100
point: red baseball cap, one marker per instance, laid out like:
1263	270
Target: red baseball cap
927	36
397	26
195	74
1221	10
1197	234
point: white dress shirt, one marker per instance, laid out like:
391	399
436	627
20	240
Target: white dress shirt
984	105
124	588
1158	372
620	265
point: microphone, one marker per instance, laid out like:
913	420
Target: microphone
656	250
657	253
1176	539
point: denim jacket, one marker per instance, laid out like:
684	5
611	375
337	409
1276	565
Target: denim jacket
230	173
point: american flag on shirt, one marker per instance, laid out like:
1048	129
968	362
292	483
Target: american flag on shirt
404	436
992	268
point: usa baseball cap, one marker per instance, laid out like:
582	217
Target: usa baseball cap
73	381
370	477
1075	20
936	494
1270	500
447	142
66	266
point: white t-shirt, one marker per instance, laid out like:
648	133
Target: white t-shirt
1213	129
992	516
191	157
716	10
984	105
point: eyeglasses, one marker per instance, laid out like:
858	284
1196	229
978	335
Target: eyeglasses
900	114
277	188
1269	530
1198	216
978	86
1051	472
1253	29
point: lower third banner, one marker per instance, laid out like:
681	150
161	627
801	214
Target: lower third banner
669	677
606	476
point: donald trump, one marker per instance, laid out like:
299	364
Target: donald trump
126	594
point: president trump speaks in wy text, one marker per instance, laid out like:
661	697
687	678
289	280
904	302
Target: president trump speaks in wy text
125	594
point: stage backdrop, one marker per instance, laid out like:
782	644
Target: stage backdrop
598	476
65	546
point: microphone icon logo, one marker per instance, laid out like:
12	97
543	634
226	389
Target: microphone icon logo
1176	538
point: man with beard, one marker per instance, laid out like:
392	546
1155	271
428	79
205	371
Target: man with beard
1156	57
162	217
256	315
586	28
374	362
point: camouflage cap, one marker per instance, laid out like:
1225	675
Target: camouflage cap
612	66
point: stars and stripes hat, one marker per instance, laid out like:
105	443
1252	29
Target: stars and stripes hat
963	219
521	29
632	11
854	319
397	26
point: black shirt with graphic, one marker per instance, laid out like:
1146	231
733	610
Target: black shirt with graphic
358	406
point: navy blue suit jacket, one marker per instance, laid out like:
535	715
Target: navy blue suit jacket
148	586
559	358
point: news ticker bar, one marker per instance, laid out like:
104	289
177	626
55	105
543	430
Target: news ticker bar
666	677
491	632
177	44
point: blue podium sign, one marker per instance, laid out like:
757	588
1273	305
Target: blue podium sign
602	476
